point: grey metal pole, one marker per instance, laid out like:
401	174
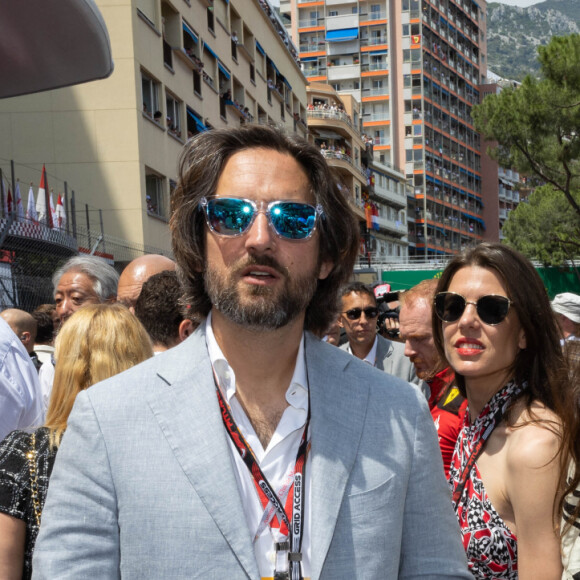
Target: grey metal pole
88	226
73	214
13	187
66	208
102	229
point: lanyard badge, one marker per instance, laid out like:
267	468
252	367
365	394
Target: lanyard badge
288	553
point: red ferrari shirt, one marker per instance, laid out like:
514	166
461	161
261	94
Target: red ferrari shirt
447	407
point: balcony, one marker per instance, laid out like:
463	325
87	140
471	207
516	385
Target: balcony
377	116
341	21
372	16
324	114
343	72
393	197
376	92
374	67
314	71
391	225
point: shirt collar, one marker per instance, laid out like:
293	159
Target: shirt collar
371	357
297	392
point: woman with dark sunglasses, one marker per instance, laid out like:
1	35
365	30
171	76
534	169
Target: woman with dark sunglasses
493	323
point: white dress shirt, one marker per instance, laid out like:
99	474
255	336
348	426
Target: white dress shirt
20	397
276	461
371	357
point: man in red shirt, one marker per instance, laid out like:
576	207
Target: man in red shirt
446	403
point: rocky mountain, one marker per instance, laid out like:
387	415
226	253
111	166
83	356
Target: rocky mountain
513	34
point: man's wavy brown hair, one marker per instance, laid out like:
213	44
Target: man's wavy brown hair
201	165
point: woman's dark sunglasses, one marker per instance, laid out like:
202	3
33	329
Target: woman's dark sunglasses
355	313
233	216
491	309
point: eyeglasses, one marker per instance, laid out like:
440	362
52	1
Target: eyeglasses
355	313
233	216
491	309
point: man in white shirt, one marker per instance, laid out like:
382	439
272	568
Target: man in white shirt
20	397
249	450
358	317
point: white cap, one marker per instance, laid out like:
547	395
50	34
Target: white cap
567	304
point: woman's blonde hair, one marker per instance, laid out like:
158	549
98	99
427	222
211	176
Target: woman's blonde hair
96	342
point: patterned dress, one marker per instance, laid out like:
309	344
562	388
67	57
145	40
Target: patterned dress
490	546
15	478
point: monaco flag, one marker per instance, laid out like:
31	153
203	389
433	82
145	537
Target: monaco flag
60	213
31	207
44	214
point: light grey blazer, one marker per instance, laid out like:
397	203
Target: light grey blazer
144	485
391	359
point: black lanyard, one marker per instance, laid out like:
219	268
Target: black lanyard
295	498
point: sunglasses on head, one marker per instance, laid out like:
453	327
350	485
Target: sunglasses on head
355	313
491	309
233	216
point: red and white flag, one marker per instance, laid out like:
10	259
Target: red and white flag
31	207
44	214
60	213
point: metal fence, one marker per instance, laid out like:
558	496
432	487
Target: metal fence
30	252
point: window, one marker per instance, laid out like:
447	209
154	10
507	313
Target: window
210	19
333	12
155	195
196	83
405	30
150	93
252	73
173	108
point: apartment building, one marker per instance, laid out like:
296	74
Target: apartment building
376	191
181	67
415	66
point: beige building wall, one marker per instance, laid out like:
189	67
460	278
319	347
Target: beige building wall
98	138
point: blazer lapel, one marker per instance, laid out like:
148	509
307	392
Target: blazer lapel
384	360
187	410
338	414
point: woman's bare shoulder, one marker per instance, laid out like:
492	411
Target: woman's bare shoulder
534	437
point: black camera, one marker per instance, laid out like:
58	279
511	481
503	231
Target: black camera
384	297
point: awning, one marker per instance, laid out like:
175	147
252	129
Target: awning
224	70
326	134
260	49
287	83
206	47
342	35
198	122
274	66
190	33
309	59
375	52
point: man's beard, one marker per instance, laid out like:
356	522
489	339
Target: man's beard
266	308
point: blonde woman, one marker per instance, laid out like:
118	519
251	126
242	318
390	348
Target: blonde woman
97	342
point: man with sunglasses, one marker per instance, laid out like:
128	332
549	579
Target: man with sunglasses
358	317
446	403
252	449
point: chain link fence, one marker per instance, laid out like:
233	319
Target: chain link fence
30	252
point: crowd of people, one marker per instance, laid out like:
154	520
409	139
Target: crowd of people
250	411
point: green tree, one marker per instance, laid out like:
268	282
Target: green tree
545	227
537	125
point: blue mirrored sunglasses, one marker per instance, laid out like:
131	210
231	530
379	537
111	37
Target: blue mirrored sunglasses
233	216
